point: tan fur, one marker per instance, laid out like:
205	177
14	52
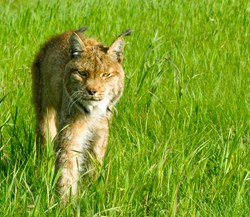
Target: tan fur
82	103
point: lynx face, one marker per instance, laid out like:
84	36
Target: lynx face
94	79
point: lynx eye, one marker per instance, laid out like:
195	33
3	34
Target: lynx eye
83	73
106	75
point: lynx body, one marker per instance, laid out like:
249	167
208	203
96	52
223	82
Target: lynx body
76	82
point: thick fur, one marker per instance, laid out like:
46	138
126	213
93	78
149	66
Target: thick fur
76	82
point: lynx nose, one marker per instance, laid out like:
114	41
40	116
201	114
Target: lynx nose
92	91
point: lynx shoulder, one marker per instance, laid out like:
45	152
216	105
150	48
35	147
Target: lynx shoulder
76	83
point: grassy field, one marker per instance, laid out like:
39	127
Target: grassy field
179	145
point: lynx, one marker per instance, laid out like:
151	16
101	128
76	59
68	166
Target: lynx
76	83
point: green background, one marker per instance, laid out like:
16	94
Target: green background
179	145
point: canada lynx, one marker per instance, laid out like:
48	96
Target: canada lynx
76	82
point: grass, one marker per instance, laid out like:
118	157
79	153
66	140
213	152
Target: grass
179	145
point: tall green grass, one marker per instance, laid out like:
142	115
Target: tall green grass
179	145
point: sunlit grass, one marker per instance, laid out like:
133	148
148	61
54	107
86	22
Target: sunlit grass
179	145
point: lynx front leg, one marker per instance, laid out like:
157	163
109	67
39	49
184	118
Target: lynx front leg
100	143
72	147
97	152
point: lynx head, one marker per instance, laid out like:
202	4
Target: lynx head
94	76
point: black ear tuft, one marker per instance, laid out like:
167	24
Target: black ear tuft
127	32
82	29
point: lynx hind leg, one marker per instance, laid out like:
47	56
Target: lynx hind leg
46	126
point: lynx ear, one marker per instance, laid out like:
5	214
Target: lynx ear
116	48
76	46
